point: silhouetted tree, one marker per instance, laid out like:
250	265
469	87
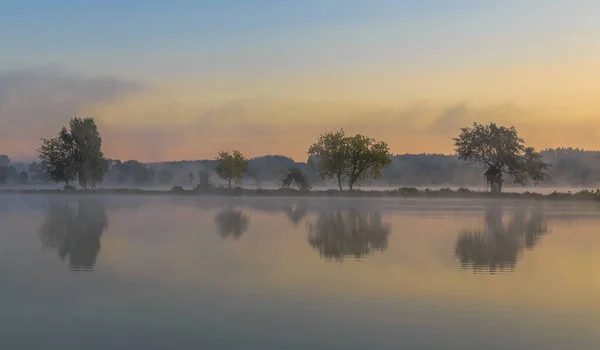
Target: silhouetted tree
204	180
297	176
231	166
57	157
498	246
231	223
338	234
75	152
75	232
501	151
91	164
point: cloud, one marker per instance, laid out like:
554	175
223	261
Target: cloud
34	103
170	123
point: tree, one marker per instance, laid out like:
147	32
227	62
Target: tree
355	158
366	158
231	223
135	172
75	232
57	157
337	234
91	164
23	177
501	151
4	160
297	176
76	152
203	180
499	245
191	177
330	151
231	166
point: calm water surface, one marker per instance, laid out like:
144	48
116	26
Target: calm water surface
184	273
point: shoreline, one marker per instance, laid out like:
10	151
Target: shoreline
405	192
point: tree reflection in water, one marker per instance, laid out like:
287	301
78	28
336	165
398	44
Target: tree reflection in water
498	246
231	223
296	213
75	232
338	234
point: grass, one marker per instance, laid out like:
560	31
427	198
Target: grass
403	192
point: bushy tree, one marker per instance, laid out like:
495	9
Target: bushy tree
58	157
75	152
501	151
330	153
366	158
297	176
353	158
231	166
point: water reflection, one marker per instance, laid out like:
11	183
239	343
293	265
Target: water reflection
74	232
498	245
338	234
296	213
231	223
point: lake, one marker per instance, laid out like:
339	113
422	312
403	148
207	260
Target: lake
274	273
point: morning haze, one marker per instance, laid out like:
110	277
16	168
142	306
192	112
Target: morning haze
318	174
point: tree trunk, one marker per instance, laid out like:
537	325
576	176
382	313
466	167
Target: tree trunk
229	184
339	177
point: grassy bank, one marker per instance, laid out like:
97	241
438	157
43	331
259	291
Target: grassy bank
404	192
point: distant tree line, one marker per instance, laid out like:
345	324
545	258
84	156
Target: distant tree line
484	154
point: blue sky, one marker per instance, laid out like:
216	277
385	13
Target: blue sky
147	69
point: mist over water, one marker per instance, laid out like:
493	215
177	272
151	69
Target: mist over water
162	272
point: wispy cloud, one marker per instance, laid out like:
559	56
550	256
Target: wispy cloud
35	102
169	123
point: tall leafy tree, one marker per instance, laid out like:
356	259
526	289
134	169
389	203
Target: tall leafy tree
91	164
231	166
501	151
75	153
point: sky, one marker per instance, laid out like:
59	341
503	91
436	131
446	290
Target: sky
181	80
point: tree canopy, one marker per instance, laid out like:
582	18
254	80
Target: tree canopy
231	166
75	152
353	158
501	151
